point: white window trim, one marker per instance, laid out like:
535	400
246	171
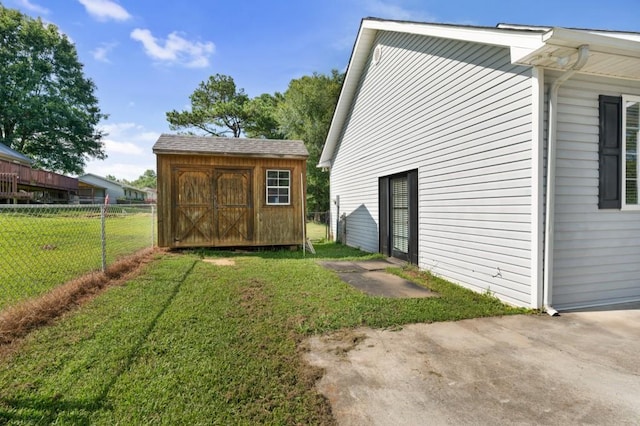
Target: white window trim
267	186
623	135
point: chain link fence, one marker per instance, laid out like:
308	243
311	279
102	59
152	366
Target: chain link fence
43	246
318	226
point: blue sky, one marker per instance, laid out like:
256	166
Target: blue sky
147	56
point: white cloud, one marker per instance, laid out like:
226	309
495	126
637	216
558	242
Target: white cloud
100	53
128	148
392	10
32	7
117	130
104	10
175	49
122	147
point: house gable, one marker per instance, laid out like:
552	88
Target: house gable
465	107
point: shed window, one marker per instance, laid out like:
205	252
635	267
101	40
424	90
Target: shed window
278	187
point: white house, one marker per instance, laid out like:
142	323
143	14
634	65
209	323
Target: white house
438	154
94	189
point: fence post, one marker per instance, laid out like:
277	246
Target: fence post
103	216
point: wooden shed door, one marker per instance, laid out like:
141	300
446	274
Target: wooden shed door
233	206
193	219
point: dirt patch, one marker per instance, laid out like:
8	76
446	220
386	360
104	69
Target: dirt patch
17	321
341	342
220	261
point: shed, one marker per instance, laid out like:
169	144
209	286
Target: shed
494	157
230	192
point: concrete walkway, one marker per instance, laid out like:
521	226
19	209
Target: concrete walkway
370	277
579	368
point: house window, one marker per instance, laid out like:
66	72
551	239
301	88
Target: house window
618	152
631	133
278	187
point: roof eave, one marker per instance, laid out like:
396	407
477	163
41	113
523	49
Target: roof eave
609	56
229	154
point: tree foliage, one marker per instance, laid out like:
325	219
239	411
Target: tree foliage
219	108
147	180
305	113
263	119
48	110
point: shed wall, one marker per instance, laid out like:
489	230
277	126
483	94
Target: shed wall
596	252
270	225
460	113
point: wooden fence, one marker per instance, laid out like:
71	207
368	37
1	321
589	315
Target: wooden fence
38	178
9	187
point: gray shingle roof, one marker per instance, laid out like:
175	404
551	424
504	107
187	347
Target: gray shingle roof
12	154
187	144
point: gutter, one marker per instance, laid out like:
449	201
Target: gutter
583	56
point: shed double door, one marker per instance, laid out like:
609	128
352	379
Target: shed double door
213	207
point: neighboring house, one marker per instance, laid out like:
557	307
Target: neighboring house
438	147
95	189
229	192
20	183
151	195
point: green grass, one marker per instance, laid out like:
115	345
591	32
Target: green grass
190	342
38	253
316	231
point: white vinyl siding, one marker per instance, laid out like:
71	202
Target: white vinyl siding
460	113
596	252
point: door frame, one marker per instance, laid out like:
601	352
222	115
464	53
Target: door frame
385	205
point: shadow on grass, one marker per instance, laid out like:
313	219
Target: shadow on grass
49	409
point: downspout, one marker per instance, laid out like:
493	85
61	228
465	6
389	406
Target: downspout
583	56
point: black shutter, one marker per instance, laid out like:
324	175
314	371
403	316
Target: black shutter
383	216
610	153
412	179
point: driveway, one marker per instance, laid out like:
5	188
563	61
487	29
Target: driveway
578	368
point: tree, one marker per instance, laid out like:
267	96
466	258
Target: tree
217	108
147	180
305	113
48	110
262	118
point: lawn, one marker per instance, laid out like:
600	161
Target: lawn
316	231
40	250
190	342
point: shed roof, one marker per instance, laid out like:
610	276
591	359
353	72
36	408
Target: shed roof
237	147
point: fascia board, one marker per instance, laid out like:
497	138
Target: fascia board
596	42
492	36
357	63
